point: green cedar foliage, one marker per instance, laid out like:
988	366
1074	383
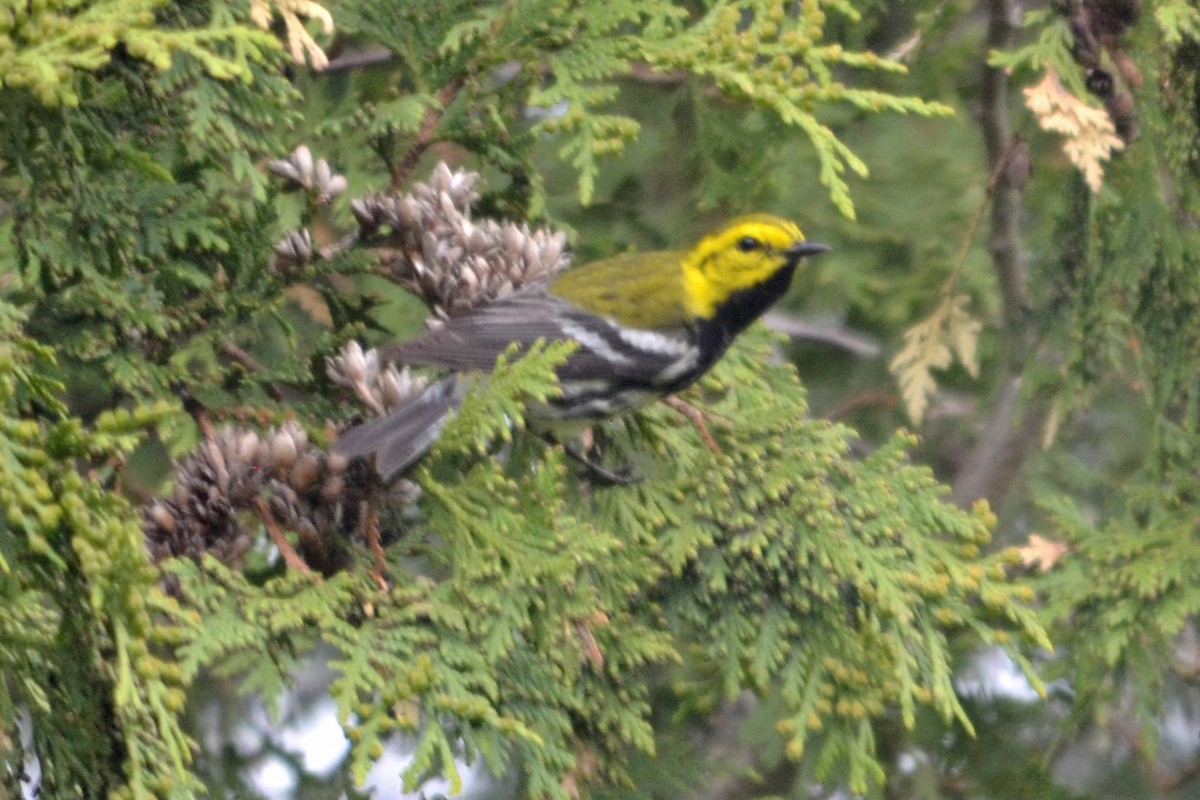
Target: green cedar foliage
83	658
531	612
528	605
140	223
485	68
1126	293
133	233
45	46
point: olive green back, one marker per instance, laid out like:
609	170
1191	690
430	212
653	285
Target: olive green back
639	290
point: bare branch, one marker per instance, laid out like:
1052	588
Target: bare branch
433	115
290	556
357	59
1007	441
1005	242
857	344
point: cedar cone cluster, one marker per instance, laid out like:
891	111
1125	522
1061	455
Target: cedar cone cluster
1097	27
237	480
322	185
227	474
381	387
440	254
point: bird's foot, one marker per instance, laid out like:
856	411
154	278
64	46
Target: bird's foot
698	417
623	476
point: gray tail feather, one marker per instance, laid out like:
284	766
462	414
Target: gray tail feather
401	438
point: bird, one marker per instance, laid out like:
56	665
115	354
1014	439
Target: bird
646	326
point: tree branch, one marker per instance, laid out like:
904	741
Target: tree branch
856	343
1009	437
719	745
433	115
290	557
1005	241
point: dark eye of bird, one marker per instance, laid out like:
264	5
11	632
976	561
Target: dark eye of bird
747	243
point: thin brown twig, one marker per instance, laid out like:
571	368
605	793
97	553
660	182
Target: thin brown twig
196	410
371	533
997	180
433	115
591	647
241	356
252	364
858	401
290	556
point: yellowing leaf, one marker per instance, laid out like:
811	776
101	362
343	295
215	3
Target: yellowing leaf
1043	552
962	331
300	41
933	343
1091	138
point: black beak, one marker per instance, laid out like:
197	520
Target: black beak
801	249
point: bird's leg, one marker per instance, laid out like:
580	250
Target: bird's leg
601	475
591	648
697	416
379	571
608	477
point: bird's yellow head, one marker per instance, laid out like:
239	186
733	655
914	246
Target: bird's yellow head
744	254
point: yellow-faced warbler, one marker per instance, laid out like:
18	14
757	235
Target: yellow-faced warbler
647	325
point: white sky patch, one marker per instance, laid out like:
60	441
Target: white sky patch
385	778
909	760
274	778
321	746
991	673
319	738
320	743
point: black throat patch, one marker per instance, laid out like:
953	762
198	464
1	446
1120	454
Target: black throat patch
738	311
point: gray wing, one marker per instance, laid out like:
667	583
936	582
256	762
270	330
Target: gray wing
473	341
401	438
